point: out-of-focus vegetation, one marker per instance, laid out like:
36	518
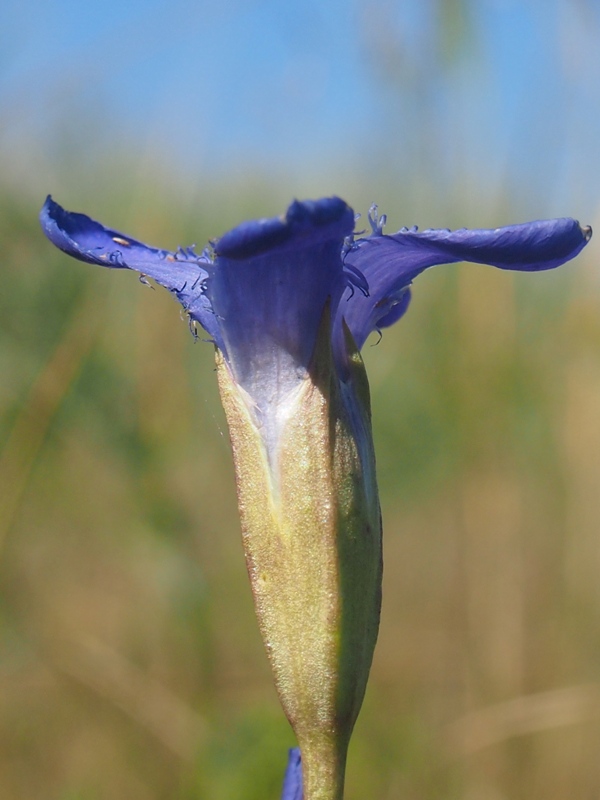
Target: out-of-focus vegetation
130	661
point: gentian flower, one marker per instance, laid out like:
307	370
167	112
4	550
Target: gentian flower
288	303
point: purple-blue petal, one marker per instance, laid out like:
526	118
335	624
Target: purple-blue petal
271	281
184	273
292	782
301	220
263	297
390	263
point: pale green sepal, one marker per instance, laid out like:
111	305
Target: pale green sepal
312	538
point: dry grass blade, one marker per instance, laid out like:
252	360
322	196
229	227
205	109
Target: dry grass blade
523	715
145	700
31	425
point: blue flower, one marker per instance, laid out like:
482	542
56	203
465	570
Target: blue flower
289	302
260	294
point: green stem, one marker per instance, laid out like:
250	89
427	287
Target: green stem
323	769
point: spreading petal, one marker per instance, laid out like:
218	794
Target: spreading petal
390	263
292	783
184	273
271	281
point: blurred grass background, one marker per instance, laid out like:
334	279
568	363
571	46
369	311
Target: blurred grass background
130	661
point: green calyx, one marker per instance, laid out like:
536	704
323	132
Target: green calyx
312	537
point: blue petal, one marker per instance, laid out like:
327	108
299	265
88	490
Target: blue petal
271	281
292	783
390	263
184	272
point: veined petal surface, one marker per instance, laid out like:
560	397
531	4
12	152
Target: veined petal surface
271	281
390	263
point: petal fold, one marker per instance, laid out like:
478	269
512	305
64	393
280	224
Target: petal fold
390	263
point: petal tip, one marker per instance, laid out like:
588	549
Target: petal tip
322	212
329	217
50	220
46	209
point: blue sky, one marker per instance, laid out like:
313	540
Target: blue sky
218	79
271	85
